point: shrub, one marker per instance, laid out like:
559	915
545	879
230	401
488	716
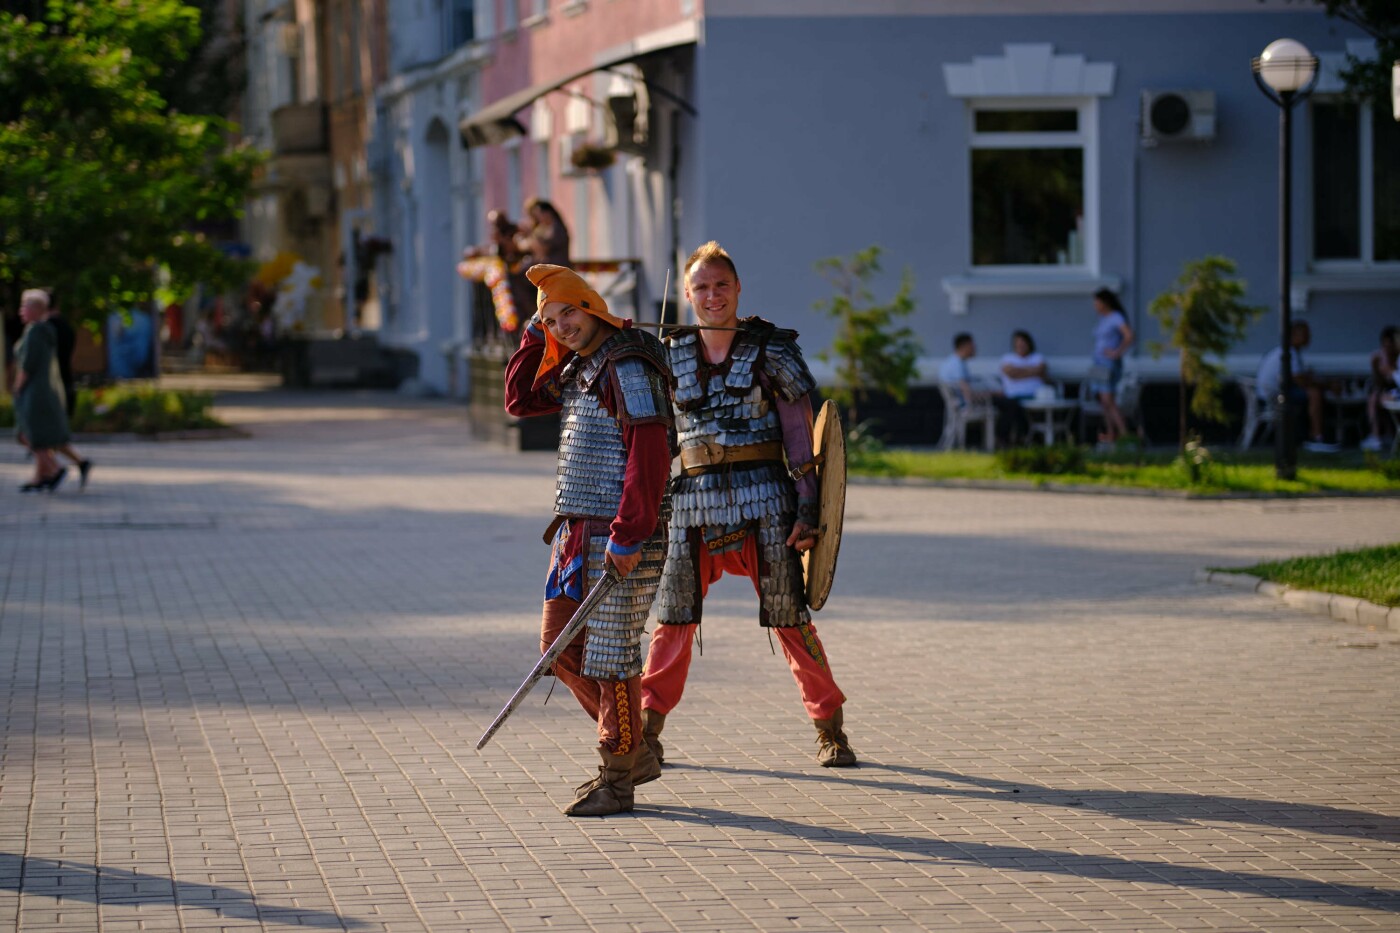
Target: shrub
1390	469
1197	464
1061	458
132	408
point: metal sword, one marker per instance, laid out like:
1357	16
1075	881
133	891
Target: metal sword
600	591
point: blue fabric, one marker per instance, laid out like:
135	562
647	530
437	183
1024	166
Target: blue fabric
615	548
1108	335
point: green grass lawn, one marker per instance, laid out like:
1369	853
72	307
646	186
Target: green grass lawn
1369	573
1251	472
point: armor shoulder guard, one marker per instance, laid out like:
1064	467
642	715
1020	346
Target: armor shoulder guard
640	374
643	391
785	366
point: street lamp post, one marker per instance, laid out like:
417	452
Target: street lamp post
1286	73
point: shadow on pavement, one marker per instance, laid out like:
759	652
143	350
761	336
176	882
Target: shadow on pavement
75	881
1153	806
1049	861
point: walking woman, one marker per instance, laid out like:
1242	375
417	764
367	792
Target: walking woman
1112	337
40	419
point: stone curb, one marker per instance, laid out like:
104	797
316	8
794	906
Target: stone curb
1012	485
193	434
1342	608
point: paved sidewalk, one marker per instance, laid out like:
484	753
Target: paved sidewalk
241	682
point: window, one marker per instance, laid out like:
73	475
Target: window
510	15
1355	188
1032	183
541	7
515	195
459	22
542	169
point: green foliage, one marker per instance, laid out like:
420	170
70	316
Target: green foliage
132	408
1197	464
1203	316
1052	461
872	350
1380	19
105	180
1251	473
1371	573
1390	469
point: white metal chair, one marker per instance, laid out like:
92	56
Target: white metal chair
1258	414
956	418
1128	395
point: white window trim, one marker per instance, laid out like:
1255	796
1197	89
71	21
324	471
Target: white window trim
1366	263
1085	138
1026	76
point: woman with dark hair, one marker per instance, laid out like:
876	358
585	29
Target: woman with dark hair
1112	337
1022	377
545	236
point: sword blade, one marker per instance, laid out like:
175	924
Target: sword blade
600	591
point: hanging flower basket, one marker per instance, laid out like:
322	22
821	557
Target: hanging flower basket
589	156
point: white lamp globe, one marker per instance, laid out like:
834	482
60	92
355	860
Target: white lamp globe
1286	65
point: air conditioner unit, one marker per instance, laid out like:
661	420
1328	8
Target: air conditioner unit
1177	116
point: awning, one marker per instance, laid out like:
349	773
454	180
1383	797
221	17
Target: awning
494	124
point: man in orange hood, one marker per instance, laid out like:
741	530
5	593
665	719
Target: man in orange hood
610	382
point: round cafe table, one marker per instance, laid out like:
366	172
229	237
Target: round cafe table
1056	412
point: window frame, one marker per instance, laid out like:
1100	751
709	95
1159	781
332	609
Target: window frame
1084	138
1366	166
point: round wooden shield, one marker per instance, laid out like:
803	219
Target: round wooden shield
819	564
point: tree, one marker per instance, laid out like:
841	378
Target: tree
1203	317
1380	19
872	352
105	180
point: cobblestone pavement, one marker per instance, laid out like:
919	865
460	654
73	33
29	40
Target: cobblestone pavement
241	682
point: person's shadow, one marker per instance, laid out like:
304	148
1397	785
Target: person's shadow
1172	808
75	881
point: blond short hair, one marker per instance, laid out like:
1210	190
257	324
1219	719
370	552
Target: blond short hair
34	296
710	252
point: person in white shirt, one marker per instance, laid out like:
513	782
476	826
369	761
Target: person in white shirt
1306	391
1022	376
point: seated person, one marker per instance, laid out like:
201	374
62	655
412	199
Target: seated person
1382	384
1306	393
1022	376
953	373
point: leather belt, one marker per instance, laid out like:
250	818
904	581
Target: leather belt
707	454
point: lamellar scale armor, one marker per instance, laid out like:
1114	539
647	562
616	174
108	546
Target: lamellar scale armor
731	406
592	466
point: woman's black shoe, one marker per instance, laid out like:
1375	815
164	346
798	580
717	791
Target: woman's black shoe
51	484
84	468
31	487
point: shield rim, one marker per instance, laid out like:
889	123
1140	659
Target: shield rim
828	439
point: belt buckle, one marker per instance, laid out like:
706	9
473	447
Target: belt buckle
714	453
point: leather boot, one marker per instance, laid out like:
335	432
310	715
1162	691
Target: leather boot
833	748
610	792
652	721
646	768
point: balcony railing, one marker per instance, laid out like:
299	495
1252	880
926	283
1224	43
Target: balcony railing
300	129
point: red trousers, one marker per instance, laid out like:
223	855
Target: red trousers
668	659
614	704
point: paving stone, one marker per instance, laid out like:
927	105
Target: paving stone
241	684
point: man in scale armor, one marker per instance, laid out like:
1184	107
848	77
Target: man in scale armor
746	500
610	382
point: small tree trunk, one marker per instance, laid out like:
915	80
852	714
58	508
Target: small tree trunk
1181	414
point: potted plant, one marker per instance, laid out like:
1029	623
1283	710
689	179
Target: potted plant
590	156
